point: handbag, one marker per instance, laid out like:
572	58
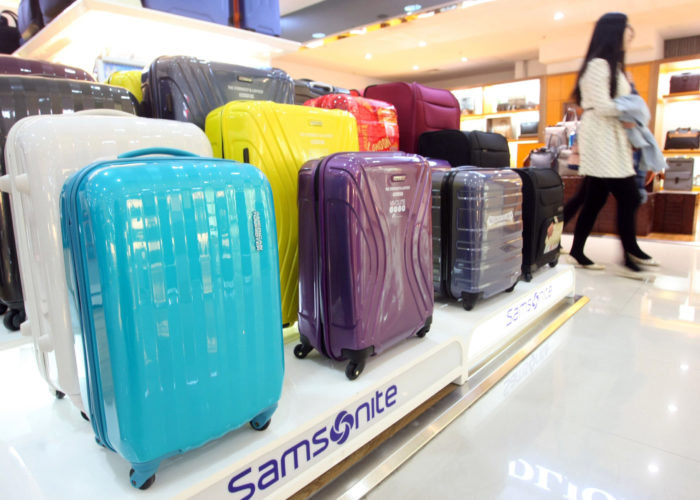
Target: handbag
682	138
563	130
685	82
544	157
529	128
9	35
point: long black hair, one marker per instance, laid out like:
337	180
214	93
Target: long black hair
607	43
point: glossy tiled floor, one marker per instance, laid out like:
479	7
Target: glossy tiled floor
608	408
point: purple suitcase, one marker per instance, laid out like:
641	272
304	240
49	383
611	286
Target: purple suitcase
365	254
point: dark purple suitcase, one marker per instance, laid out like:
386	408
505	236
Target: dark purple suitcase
365	254
10	65
22	96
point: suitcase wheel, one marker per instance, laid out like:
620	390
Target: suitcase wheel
60	395
262	420
144	484
468	300
302	350
3	308
554	262
508	290
84	415
527	277
354	368
12	319
260	427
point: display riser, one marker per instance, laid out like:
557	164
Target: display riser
61	459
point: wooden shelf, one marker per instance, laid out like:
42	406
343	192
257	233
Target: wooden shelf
682	96
498	113
692	152
89	29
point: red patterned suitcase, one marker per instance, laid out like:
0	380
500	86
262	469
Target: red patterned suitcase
377	124
420	109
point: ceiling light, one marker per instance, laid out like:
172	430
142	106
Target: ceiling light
361	31
368	56
465	59
416	68
558	16
318	35
653	468
315	44
422	43
426	14
672	408
684	367
412	7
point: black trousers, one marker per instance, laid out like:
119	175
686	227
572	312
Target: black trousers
596	193
572	206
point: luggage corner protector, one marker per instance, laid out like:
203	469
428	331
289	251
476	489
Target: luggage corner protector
5	185
22	183
44	342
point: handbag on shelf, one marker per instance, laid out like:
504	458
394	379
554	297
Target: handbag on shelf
9	35
685	82
682	138
529	128
564	129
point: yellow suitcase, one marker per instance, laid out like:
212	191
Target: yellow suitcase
279	139
130	80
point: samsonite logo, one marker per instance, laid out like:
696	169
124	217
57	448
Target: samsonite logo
255	480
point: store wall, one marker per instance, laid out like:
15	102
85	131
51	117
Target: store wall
337	78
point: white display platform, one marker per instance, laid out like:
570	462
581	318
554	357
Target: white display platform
48	451
89	29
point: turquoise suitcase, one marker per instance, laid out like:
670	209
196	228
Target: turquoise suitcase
173	269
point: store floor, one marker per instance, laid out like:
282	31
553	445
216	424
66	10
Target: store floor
607	408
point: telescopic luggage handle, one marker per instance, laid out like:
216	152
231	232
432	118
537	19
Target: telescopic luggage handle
158	151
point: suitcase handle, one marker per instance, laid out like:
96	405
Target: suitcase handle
158	151
104	112
321	85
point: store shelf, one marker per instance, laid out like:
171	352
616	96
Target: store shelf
51	451
89	29
677	152
498	114
682	96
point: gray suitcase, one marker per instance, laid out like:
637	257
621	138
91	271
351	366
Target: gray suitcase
305	89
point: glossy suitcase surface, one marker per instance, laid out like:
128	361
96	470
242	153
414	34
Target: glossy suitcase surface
187	89
305	89
377	126
175	270
488	149
11	65
482	237
366	261
42	152
420	109
448	145
279	139
130	80
543	217
438	170
22	96
262	16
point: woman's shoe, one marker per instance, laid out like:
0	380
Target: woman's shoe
643	262
591	267
627	272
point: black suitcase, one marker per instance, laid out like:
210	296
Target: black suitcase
22	96
305	89
188	89
438	173
480	233
460	148
543	218
9	32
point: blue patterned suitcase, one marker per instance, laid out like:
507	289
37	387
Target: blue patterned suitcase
173	266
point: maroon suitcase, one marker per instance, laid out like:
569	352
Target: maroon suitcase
420	109
10	65
365	254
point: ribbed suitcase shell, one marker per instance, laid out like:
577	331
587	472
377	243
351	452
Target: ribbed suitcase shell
377	125
22	96
305	89
438	170
11	65
42	152
130	80
279	139
177	285
462	148
420	109
543	217
365	254
482	233
187	89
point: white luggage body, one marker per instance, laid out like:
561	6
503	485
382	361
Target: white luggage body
40	154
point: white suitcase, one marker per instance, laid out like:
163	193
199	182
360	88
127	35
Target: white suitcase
40	154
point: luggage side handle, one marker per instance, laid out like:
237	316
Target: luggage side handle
21	182
322	86
158	151
105	112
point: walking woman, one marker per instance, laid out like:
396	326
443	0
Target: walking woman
605	150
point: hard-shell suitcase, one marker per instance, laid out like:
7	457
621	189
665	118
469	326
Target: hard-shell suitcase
130	80
176	277
213	11
22	96
543	217
377	126
279	139
420	109
9	32
482	227
50	9
187	89
438	170
460	148
30	19
305	89
36	171
11	65
262	16
365	254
